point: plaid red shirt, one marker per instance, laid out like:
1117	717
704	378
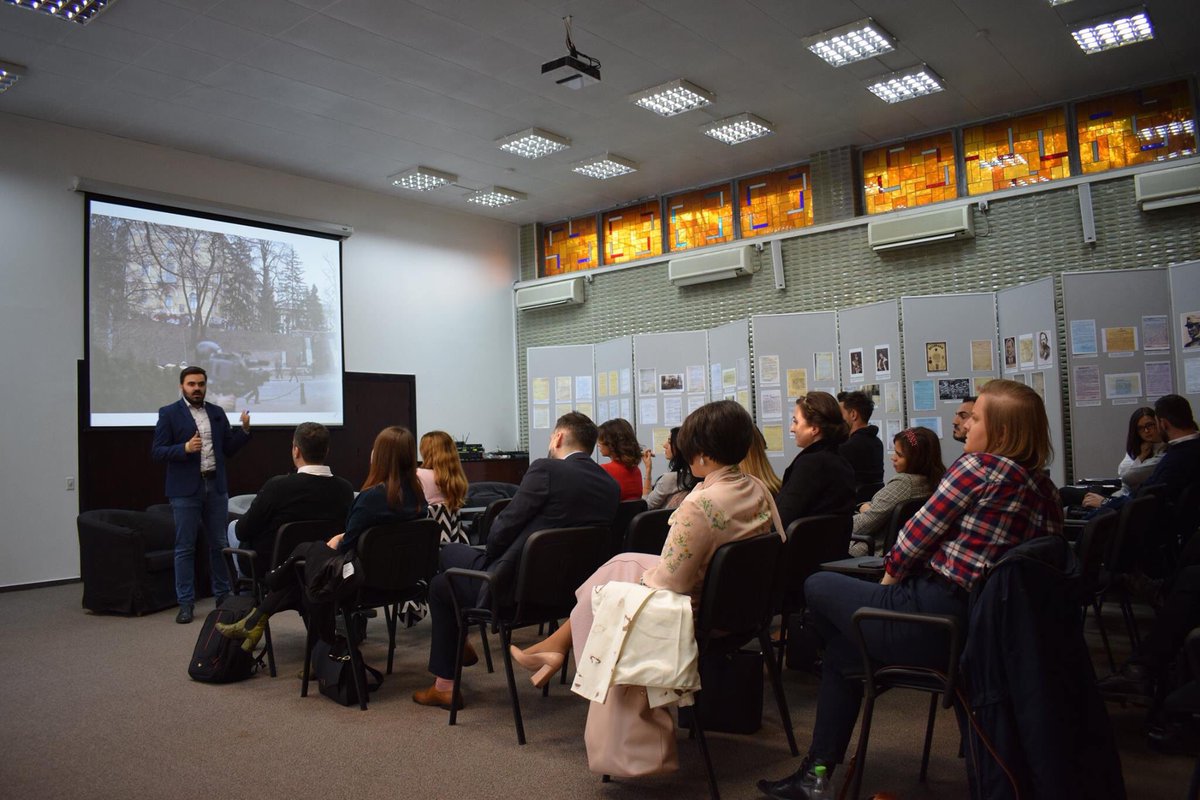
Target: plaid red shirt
983	506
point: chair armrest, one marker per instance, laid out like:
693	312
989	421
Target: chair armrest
231	556
460	575
944	621
865	538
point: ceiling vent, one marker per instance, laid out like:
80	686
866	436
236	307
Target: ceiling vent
1167	187
715	266
544	295
940	225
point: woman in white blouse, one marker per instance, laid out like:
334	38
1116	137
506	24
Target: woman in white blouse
1144	448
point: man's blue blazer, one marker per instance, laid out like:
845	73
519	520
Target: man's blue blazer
175	426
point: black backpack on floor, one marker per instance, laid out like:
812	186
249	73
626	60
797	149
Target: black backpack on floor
217	659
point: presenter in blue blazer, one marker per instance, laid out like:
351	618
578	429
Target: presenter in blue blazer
194	438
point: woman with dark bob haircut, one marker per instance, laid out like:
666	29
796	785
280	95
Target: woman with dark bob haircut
819	480
726	505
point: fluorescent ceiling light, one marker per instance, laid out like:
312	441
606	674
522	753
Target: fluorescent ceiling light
737	129
854	42
422	179
905	84
495	196
605	166
81	11
1059	2
533	143
673	97
9	74
1115	30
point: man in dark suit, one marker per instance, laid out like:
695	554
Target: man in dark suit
312	492
863	449
565	490
194	438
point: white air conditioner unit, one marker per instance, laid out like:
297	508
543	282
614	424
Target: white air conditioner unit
715	266
938	225
1167	187
559	293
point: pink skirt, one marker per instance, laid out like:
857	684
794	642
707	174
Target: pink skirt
627	567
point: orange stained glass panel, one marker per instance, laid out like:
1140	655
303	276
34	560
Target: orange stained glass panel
570	246
776	201
1016	152
914	173
1154	124
702	217
632	233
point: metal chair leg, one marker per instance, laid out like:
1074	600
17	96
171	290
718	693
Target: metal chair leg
270	648
310	641
933	701
356	665
487	650
764	641
391	619
1112	664
458	667
505	642
860	756
698	732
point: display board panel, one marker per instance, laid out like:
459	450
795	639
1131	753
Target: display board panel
1185	330
729	363
561	379
670	379
873	332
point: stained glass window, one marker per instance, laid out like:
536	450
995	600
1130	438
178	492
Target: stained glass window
698	218
1016	152
1154	124
915	173
570	246
632	233
776	201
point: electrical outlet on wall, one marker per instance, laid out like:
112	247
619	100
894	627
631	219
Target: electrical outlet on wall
70	484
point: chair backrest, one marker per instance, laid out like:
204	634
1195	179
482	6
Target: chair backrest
901	514
1095	541
479	533
399	555
648	531
1186	522
738	593
626	511
864	493
554	563
291	534
1135	518
811	541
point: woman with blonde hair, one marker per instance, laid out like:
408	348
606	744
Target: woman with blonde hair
994	497
756	463
444	483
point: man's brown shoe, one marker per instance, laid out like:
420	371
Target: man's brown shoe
433	697
470	657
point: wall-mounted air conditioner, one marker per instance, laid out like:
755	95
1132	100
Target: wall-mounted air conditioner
559	293
1167	187
939	225
715	266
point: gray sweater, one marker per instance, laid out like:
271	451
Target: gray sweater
904	486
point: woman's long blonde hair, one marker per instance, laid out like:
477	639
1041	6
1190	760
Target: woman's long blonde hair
755	463
439	454
1017	426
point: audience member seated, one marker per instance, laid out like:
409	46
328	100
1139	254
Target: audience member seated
311	492
1144	448
726	505
567	489
443	482
863	449
756	464
672	486
917	459
391	493
820	480
958	429
619	443
1179	465
995	496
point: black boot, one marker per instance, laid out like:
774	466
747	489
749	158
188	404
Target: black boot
797	785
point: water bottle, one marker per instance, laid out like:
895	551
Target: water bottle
821	789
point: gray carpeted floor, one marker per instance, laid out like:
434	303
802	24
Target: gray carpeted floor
102	707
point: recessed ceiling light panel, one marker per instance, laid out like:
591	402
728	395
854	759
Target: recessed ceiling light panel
422	179
9	74
673	97
905	84
854	42
1114	30
737	129
533	143
495	197
81	11
605	166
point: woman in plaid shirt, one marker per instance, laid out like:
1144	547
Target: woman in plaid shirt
995	496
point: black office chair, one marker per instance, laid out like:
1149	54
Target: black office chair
1095	541
878	679
554	563
811	541
864	493
901	514
648	531
1135	520
479	531
626	511
398	560
287	538
736	605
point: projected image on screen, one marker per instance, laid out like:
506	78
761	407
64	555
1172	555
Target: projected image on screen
258	308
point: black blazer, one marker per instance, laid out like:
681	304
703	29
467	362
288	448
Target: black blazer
864	451
819	481
175	426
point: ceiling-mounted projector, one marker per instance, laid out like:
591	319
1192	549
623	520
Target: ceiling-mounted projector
574	70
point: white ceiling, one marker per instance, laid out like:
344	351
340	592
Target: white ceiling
353	91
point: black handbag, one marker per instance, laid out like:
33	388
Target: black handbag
333	671
331	577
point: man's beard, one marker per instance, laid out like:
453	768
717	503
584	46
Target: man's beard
196	400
